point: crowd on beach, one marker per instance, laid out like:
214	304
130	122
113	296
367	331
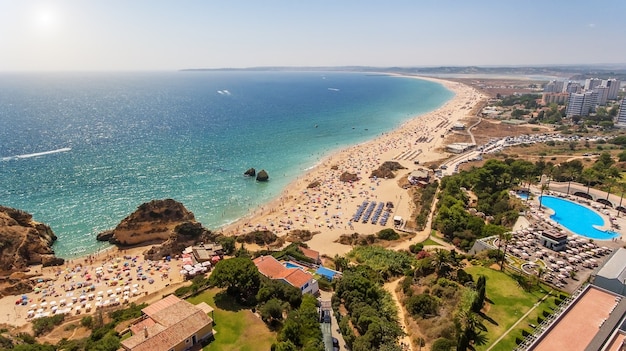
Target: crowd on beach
84	285
118	277
329	207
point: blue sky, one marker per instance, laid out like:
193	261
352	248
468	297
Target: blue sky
114	35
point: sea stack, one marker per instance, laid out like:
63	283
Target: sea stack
166	224
262	176
250	172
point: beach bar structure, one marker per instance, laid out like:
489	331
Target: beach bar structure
556	241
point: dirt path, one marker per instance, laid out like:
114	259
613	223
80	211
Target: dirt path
391	288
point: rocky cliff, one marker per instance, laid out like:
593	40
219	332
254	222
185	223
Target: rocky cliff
164	222
24	242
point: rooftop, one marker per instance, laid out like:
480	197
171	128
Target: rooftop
271	268
578	326
615	267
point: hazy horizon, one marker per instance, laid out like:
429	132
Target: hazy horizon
73	35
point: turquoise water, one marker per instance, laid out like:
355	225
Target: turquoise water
292	265
577	218
113	141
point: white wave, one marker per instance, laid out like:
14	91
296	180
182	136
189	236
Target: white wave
65	149
333	89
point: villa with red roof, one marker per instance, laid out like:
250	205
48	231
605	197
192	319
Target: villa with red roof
170	324
312	254
296	277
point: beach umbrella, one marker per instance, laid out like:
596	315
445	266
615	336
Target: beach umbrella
43	304
33	306
52	303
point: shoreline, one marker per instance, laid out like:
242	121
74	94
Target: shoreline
325	209
298	207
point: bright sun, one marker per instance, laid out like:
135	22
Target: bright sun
46	20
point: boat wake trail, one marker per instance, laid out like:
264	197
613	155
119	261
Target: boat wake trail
65	149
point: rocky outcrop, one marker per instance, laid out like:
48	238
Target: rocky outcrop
386	170
166	223
348	177
153	221
262	176
250	172
23	241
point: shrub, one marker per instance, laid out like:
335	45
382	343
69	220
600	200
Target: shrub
525	333
442	344
415	248
518	340
46	324
422	305
388	234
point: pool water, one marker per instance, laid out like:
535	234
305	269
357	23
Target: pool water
577	218
293	265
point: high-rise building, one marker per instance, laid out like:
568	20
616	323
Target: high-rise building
580	104
571	87
592	83
613	85
554	86
621	116
602	94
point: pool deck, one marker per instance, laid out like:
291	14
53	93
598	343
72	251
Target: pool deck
619	219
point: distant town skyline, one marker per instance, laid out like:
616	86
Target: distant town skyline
73	35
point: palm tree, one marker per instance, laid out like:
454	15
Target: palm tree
507	237
622	187
441	261
544	187
569	174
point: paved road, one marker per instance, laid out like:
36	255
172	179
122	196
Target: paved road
334	327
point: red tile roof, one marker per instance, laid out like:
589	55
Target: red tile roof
168	322
271	268
312	254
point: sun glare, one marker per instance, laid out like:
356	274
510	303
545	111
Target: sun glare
46	20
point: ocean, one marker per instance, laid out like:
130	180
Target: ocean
80	151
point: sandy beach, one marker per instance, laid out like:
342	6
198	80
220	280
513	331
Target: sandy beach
326	209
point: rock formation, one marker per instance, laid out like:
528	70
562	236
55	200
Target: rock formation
262	176
348	177
164	222
23	242
250	172
386	170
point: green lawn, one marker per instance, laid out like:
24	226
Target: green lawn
430	242
506	302
236	326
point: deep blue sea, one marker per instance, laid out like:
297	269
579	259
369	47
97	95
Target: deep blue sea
113	141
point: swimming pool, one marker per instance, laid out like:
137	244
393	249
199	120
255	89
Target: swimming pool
293	265
576	218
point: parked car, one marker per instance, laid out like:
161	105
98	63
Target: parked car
335	344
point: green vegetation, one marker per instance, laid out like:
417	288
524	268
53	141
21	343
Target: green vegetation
490	184
239	276
507	303
44	325
237	327
424	202
388	263
388	234
371	322
301	328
